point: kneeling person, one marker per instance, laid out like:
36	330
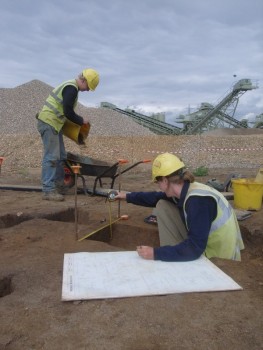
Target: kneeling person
193	218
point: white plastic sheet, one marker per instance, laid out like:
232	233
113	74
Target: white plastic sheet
125	274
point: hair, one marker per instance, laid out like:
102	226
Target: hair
181	176
81	77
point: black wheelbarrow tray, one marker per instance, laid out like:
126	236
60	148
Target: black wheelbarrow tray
94	168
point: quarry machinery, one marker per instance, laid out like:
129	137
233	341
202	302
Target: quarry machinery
223	111
206	118
220	120
157	126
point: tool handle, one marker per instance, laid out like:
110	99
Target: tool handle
146	161
123	161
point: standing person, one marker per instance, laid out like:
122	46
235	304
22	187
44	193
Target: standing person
193	218
59	107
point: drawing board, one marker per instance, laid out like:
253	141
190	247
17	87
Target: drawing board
125	274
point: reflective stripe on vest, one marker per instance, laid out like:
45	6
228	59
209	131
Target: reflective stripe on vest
224	207
52	112
59	100
224	239
58	114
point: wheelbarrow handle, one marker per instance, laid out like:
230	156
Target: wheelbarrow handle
123	161
132	166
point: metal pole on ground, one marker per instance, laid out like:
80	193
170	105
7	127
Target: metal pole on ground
121	161
75	169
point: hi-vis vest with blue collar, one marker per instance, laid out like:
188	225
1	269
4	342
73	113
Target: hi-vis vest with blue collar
224	240
52	112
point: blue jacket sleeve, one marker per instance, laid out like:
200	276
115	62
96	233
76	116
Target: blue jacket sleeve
201	211
145	199
70	93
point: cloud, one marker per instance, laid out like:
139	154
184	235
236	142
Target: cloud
153	55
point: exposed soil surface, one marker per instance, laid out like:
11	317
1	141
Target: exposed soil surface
35	234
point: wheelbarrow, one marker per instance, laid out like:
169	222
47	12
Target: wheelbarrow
94	168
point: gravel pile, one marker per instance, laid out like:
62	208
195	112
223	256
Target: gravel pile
18	107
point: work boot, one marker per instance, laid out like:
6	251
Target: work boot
53	196
61	190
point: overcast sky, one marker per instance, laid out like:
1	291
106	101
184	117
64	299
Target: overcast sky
152	55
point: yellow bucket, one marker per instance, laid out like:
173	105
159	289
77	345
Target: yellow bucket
247	194
76	132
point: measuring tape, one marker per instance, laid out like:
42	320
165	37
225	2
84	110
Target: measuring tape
111	198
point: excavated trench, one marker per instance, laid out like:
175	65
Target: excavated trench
120	235
13	219
6	286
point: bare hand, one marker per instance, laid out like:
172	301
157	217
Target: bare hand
120	195
145	252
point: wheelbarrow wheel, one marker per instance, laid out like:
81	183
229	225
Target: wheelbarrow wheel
69	178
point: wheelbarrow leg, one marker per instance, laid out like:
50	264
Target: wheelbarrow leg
83	183
95	184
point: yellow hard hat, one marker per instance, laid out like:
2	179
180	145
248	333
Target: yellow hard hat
92	78
166	164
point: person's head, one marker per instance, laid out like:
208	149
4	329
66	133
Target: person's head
88	79
169	172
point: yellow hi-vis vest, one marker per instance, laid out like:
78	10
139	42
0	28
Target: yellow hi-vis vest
224	240
52	113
